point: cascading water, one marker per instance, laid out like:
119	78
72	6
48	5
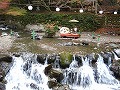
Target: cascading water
103	73
26	74
74	63
109	61
46	60
87	78
56	62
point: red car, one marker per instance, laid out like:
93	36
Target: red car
70	35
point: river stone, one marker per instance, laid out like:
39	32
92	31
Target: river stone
65	59
84	43
2	86
5	64
68	44
34	86
78	59
116	68
51	59
16	55
58	75
52	83
37	27
41	58
5	58
64	87
47	69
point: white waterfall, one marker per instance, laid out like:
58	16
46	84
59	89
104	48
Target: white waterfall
103	73
74	63
109	61
87	78
18	79
56	62
27	74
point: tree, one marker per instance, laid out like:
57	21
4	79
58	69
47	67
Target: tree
4	4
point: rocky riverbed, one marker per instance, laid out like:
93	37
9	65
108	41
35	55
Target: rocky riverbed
83	45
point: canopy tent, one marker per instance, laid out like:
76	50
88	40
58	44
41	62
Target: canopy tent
73	20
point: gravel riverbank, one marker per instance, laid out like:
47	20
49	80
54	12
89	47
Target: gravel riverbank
6	43
26	44
87	36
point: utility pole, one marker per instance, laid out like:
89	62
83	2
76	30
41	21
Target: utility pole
93	3
96	6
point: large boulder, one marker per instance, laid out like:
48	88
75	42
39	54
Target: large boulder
5	65
57	86
41	58
62	87
37	27
53	73
5	58
51	58
57	74
47	69
116	68
65	59
53	83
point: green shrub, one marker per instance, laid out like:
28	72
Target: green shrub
51	30
50	33
87	21
65	58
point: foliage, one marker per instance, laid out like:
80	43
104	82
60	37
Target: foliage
66	58
87	21
50	30
5	0
50	33
16	11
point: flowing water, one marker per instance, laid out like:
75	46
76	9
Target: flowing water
115	56
27	74
88	78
